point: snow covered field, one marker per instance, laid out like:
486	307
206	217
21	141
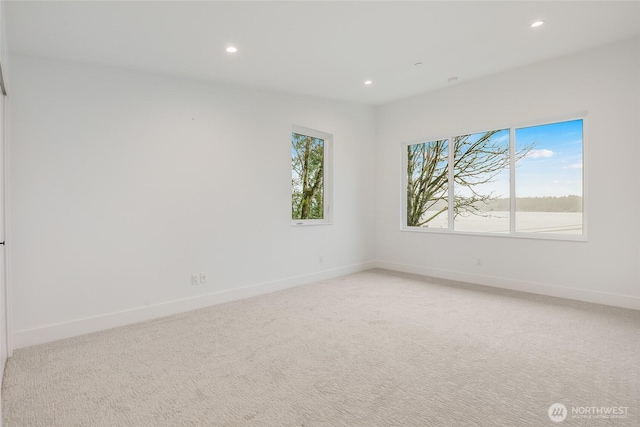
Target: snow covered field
526	222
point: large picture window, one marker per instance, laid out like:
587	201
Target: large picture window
512	181
310	176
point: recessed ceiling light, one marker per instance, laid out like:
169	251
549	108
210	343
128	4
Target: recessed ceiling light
537	24
232	49
368	82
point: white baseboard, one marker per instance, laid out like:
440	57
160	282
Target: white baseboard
616	300
86	325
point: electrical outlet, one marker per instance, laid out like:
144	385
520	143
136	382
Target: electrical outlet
194	279
203	277
479	262
321	258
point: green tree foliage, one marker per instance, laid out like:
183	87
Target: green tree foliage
307	165
476	161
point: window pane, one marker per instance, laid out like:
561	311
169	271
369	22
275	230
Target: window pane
481	182
307	177
549	178
427	184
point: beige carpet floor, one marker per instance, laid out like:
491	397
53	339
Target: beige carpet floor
370	349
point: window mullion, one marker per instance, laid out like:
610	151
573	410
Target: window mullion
451	195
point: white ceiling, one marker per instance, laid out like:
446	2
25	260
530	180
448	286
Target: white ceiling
324	48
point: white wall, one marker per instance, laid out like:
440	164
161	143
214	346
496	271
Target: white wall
4	326
122	184
606	83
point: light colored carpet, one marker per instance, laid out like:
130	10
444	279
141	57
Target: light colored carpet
370	349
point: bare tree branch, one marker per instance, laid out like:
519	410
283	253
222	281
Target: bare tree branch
476	162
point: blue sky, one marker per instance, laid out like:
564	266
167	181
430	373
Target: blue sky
554	166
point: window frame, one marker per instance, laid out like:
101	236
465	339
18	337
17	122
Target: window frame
327	176
512	184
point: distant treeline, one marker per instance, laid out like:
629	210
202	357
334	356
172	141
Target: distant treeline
535	204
